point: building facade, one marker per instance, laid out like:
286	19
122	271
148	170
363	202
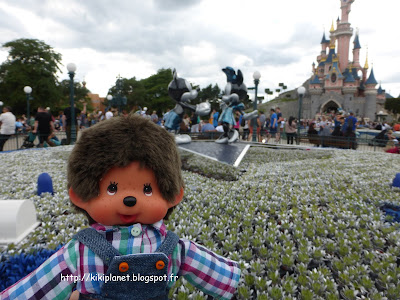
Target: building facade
340	81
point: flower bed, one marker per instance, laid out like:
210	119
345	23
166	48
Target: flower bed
302	224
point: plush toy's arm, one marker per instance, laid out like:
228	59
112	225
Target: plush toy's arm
214	275
48	281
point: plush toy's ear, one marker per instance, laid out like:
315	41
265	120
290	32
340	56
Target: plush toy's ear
178	199
75	199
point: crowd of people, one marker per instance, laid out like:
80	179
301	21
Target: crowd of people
269	128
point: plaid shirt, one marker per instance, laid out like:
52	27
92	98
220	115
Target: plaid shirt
74	264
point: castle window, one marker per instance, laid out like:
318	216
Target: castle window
333	77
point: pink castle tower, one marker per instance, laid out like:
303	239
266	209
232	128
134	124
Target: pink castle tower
343	34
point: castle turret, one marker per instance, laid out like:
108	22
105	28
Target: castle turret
324	45
381	93
370	96
356	52
315	87
343	34
371	81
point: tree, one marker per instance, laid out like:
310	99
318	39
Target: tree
151	92
34	63
210	93
80	96
393	105
156	87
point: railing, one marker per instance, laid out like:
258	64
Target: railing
24	141
362	142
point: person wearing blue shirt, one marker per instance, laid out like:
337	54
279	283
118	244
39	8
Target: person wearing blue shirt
215	118
207	126
273	125
353	120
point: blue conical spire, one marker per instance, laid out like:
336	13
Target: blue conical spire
315	80
357	42
380	90
324	40
371	79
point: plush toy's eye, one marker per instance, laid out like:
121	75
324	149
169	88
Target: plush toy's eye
112	188
147	190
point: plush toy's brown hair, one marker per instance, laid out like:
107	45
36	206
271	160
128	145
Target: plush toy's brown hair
116	143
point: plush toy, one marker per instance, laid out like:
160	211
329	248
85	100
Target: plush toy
124	174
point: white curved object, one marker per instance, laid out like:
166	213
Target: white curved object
17	220
182	139
235	137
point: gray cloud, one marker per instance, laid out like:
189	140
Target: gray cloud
174	5
157	31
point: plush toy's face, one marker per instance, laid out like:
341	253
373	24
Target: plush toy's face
127	195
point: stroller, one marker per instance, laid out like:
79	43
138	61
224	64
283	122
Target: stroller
28	141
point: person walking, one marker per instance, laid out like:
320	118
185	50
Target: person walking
7	121
44	126
290	130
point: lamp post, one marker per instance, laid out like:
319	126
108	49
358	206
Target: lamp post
300	91
71	67
28	91
118	100
256	76
110	102
109	98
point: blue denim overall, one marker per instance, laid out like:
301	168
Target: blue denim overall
145	264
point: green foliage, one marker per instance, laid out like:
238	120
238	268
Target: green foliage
151	92
34	63
80	93
393	105
210	93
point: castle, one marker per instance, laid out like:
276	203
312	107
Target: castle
340	83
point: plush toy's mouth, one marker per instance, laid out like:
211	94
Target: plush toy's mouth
127	218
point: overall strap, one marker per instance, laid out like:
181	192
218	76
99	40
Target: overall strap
98	244
169	244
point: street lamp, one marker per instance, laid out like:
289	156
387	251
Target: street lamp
256	77
300	91
118	100
28	91
1	105
71	67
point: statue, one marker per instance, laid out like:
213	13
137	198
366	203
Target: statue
181	91
235	92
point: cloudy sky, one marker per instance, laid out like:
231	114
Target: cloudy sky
280	39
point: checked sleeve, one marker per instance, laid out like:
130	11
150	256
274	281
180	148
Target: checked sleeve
209	272
48	281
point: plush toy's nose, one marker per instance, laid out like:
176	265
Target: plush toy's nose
130	201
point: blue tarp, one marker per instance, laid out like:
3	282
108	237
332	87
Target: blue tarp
392	210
